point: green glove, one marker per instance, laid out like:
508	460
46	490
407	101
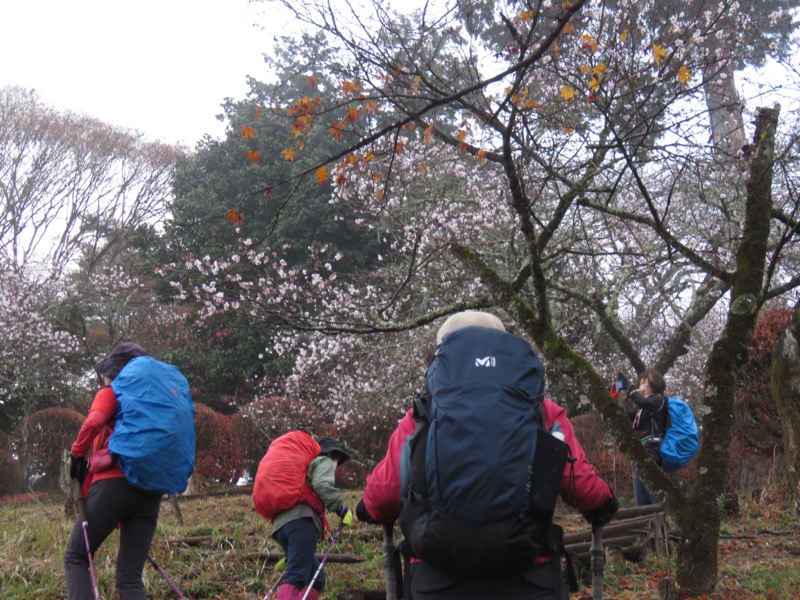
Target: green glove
346	515
281	564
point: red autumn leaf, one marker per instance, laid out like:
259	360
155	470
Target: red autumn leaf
235	217
341	179
336	130
253	156
247	132
321	175
312	81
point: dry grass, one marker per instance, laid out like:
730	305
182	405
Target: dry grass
753	564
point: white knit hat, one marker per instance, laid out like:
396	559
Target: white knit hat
467	319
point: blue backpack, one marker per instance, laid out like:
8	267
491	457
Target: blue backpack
682	439
480	475
154	437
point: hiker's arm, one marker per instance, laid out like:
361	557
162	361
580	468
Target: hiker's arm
322	476
382	492
581	487
102	411
651	403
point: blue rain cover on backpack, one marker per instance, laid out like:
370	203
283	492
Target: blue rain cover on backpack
154	435
480	464
682	439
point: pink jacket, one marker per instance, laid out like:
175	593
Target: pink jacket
382	494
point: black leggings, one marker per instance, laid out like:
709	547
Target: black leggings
111	502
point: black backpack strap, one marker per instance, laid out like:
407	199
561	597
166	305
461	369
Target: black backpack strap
402	568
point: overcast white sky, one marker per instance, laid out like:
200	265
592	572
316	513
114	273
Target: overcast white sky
162	67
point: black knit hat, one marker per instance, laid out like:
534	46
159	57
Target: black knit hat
120	356
328	445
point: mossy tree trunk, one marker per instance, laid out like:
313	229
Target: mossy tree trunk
786	389
700	515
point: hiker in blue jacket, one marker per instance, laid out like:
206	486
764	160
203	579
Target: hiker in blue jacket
648	410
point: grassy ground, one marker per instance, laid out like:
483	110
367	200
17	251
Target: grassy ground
753	564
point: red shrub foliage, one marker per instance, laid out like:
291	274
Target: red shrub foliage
218	454
265	419
49	433
757	434
10	474
601	451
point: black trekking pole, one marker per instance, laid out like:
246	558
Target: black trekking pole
167	579
388	561
322	562
80	505
598	560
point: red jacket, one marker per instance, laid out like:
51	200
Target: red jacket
382	494
96	430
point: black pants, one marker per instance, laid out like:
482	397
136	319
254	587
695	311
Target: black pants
536	583
111	502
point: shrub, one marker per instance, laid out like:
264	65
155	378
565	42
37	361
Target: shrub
49	433
10	474
218	454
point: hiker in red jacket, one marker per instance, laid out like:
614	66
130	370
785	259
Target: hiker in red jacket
580	487
110	499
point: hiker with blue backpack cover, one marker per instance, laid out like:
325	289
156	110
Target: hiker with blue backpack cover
474	469
648	410
136	444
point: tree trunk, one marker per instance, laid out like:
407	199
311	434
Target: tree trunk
699	518
786	389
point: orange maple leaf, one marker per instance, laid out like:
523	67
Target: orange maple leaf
684	75
658	53
481	155
312	81
321	175
235	217
336	130
526	16
369	157
247	132
568	28
370	107
257	113
350	87
423	168
428	135
399	146
623	36
289	154
567	92
253	156
297	129
352	113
